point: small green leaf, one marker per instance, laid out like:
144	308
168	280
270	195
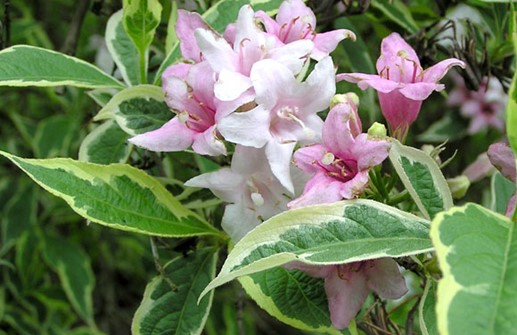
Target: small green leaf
398	12
170	305
502	190
73	267
292	297
218	17
23	65
137	109
105	144
423	179
477	252
511	109
426	309
343	232
122	50
117	195
140	19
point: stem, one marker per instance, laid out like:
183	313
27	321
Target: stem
402	196
143	72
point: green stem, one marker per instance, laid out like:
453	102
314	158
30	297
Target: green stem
402	196
143	72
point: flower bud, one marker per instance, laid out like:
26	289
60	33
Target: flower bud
459	186
349	97
377	130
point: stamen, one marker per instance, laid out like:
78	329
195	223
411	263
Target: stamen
183	116
327	158
258	199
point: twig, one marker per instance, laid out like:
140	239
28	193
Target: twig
70	45
410	318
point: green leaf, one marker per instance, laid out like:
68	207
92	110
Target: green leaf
102	96
117	195
19	215
476	250
170	305
122	50
343	232
54	135
511	109
23	65
218	17
72	265
423	179
398	12
426	309
502	190
292	297
140	19
449	128
137	109
105	144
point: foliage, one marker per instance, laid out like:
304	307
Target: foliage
121	110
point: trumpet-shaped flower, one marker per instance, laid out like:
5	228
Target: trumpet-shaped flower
401	82
484	107
285	113
233	63
295	21
189	92
253	192
347	285
341	163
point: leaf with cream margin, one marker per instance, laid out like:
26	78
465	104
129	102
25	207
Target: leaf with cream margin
342	232
137	109
292	297
422	178
170	305
122	49
23	65
117	195
106	144
477	253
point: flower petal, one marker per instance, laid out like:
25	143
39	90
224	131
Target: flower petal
325	43
437	71
279	158
271	81
369	152
247	128
238	220
216	51
385	279
207	143
187	23
307	158
320	189
224	183
369	80
393	47
172	136
420	91
345	297
230	85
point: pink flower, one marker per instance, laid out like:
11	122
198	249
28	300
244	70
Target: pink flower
503	158
189	92
234	61
347	285
295	21
186	25
285	112
485	107
340	165
253	192
402	84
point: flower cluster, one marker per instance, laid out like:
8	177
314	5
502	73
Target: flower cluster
249	87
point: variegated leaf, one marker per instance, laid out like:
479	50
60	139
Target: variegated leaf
343	232
422	178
